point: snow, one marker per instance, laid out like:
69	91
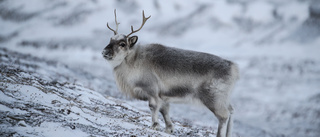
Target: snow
294	11
225	11
51	65
260	11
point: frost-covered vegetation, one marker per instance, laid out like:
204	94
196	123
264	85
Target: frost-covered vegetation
54	81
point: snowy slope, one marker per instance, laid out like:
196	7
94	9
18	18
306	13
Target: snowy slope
34	103
59	43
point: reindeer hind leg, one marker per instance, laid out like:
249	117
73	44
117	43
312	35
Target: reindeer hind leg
230	122
222	113
217	103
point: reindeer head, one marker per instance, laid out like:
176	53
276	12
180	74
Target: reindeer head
120	45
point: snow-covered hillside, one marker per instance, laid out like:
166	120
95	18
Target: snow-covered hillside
37	99
54	80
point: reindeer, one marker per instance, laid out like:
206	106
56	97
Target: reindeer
161	75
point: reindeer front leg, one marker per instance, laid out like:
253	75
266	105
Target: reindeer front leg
164	110
154	105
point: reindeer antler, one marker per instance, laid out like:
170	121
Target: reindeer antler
117	24
144	20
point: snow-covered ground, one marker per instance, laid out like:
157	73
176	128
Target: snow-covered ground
54	80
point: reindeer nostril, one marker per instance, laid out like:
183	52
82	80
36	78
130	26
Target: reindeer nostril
107	54
105	51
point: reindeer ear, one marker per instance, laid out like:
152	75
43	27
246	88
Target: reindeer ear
133	40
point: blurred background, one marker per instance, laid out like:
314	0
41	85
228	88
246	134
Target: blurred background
276	44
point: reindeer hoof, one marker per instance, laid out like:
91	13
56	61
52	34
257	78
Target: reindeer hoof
169	130
155	126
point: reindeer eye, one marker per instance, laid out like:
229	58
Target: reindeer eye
122	44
